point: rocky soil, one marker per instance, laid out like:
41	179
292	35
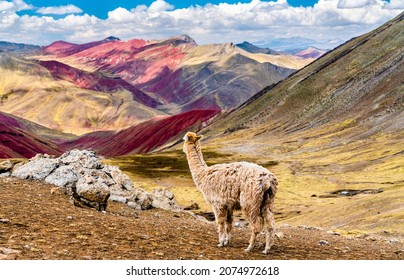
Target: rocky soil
37	222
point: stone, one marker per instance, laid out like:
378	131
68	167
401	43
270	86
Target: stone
63	177
92	190
5	174
118	198
7	253
6	166
143	199
86	158
310	227
122	180
164	199
134	205
37	168
4	221
323	242
90	184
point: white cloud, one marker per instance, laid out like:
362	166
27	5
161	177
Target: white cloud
259	20
4	5
395	5
60	10
15	5
351	4
160	6
120	15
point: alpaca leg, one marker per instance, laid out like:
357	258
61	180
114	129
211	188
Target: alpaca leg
229	227
256	227
220	215
269	230
252	241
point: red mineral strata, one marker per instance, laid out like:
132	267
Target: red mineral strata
17	142
144	137
95	81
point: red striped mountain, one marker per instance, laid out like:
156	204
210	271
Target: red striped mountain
311	52
131	89
177	72
21	138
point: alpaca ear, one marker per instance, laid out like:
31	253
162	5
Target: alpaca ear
185	138
198	137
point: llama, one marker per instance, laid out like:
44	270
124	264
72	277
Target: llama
230	186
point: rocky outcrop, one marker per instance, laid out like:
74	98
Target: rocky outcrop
5	168
80	174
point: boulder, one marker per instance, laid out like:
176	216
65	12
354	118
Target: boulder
64	177
140	200
6	166
38	168
92	190
85	158
81	174
122	181
164	199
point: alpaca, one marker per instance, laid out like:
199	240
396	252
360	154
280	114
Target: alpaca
229	186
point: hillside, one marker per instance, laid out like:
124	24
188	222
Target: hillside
178	73
20	138
34	91
333	135
144	137
56	230
15	48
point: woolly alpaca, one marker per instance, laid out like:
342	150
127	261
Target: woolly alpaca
229	186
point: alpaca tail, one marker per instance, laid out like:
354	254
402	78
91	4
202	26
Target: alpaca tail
270	189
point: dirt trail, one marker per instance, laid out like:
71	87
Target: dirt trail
38	224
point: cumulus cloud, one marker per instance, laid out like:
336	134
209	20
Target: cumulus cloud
160	6
60	10
16	5
350	4
331	21
395	5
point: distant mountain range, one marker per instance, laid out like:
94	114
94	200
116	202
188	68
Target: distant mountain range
113	85
254	49
16	48
307	53
295	44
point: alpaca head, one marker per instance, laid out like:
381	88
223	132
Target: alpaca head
191	138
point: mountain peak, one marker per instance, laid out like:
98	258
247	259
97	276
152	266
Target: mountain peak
111	38
247	46
181	39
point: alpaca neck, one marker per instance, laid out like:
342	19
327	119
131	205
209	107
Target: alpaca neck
195	159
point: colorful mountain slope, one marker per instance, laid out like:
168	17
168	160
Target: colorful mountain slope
178	72
31	91
311	52
95	81
143	137
18	139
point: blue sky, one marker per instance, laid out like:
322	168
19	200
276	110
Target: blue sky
100	8
323	23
